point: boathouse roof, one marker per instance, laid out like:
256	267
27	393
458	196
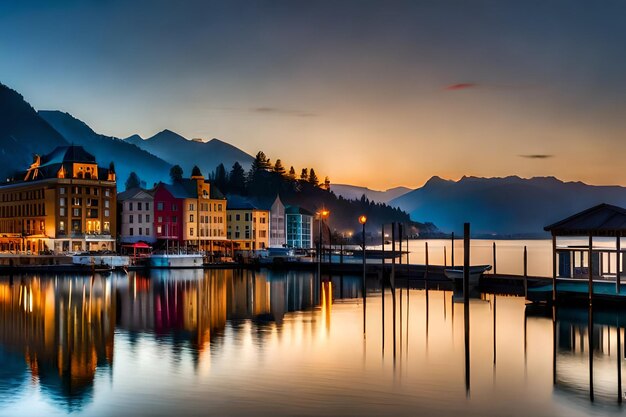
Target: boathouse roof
600	220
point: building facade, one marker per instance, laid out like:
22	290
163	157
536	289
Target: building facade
299	227
190	213
277	224
248	224
136	216
63	202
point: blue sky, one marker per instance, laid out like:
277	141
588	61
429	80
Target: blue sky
369	93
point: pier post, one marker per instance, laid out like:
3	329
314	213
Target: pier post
363	220
619	362
590	267
495	270
554	268
445	258
618	263
452	250
426	273
525	272
466	262
382	284
393	283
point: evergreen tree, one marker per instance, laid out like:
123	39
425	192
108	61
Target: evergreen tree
133	181
304	175
260	163
292	174
313	178
278	167
112	167
220	178
237	179
195	171
327	183
176	173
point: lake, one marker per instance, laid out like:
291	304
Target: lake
240	343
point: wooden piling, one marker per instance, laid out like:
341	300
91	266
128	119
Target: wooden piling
553	269
618	263
525	272
590	267
466	261
382	284
393	283
452	251
495	270
619	363
445	258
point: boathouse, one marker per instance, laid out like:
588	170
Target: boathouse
583	258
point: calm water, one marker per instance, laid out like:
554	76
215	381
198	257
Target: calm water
229	343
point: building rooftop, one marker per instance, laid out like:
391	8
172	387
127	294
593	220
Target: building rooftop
600	220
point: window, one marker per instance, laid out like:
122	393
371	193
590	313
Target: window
61	226
262	233
219	207
174	208
237	234
76	212
159	229
62	201
262	220
139	218
62	211
139	207
147	219
107	192
131	219
247	217
174	219
62	190
147	207
140	231
106	203
160	219
160	205
191	231
77	201
147	231
237	217
191	207
191	217
107	227
130	231
229	218
106	213
130	206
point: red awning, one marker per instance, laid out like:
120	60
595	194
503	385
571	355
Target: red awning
138	245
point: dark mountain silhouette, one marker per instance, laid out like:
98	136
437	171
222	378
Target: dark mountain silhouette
352	192
127	157
175	149
22	133
503	206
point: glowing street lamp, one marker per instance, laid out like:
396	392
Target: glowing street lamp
363	220
322	214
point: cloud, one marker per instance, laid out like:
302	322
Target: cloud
536	156
460	86
286	112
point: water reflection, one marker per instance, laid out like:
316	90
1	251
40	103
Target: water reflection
284	343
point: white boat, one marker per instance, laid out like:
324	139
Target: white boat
475	272
102	261
165	260
276	255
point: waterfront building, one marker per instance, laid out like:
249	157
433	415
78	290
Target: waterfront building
190	213
63	202
299	227
248	223
136	216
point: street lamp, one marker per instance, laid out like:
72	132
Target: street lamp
363	220
321	215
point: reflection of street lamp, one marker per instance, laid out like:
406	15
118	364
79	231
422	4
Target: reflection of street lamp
363	220
321	215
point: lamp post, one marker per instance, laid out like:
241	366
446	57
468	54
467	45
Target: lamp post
321	215
363	220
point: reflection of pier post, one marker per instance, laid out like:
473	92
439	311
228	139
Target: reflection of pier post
554	344
382	286
590	336
494	329
466	266
619	362
392	281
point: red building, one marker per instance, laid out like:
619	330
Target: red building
168	216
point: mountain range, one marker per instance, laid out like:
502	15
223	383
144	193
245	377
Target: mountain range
174	149
353	192
510	206
25	132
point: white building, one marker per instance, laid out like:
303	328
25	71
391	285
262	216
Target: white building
136	208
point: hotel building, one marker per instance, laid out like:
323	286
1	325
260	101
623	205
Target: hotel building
63	202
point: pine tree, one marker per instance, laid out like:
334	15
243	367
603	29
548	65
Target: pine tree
220	178
278	168
327	183
237	179
292	174
260	163
133	181
313	178
195	171
176	173
304	175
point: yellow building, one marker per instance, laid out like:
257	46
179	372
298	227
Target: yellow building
248	225
63	202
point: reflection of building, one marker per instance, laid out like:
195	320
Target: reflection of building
136	208
191	213
63	202
64	330
248	223
299	225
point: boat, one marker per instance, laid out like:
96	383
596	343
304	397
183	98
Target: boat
165	260
273	256
475	272
101	262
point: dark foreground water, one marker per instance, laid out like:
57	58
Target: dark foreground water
230	343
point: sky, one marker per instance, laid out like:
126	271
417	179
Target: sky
372	93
